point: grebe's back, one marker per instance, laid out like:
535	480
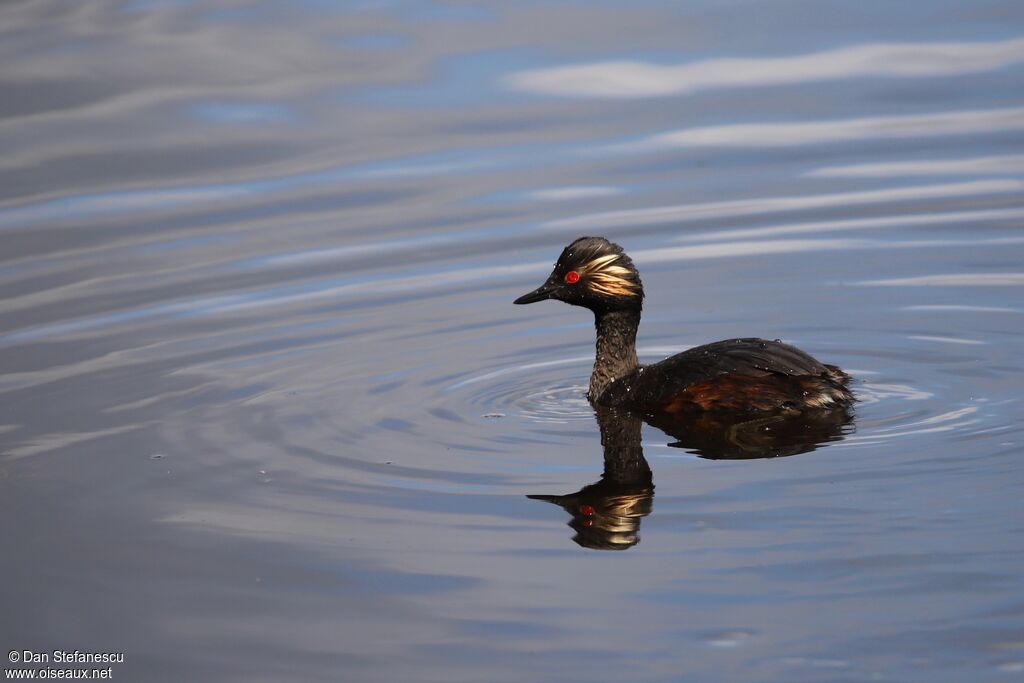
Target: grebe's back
732	375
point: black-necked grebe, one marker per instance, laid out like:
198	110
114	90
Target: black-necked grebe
738	375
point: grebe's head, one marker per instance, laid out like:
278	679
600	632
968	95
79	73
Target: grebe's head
594	273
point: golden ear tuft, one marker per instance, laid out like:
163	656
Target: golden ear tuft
605	277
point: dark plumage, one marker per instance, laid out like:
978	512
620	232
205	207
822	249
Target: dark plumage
736	375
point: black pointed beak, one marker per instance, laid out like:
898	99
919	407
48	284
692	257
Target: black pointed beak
539	294
547	498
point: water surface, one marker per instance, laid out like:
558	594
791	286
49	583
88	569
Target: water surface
267	412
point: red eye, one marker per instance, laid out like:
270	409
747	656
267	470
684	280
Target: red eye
572	277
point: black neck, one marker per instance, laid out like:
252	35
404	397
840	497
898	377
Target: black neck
616	348
624	461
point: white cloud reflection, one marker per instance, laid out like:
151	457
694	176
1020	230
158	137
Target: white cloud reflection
632	79
558	194
978	121
953	280
761	205
947	340
974	217
994	165
957	308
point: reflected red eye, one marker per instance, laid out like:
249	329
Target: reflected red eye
572	277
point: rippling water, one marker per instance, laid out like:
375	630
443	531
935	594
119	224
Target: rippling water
269	414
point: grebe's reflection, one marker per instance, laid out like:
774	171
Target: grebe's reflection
606	515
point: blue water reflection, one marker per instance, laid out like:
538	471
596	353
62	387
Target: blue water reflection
269	414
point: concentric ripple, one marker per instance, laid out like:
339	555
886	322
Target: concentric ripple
548	391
